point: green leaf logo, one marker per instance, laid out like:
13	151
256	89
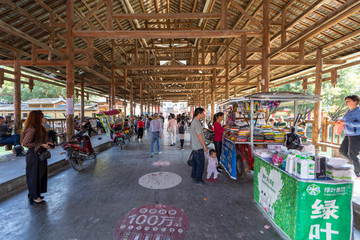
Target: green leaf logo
313	189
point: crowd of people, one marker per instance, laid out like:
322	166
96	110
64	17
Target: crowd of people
38	136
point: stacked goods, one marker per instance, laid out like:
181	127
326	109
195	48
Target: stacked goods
279	137
243	135
258	136
340	171
269	137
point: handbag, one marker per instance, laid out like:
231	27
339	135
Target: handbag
191	159
44	155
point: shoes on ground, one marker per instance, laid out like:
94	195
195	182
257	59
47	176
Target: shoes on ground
215	180
200	183
209	180
159	152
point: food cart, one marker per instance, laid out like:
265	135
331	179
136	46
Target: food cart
237	155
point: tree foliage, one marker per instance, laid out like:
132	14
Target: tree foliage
333	102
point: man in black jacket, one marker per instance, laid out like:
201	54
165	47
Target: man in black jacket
7	138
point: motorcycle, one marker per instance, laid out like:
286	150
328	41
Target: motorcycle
119	139
79	150
209	136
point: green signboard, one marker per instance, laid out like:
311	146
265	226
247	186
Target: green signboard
303	209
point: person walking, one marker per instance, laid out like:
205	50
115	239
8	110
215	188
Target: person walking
198	146
141	126
218	134
350	146
172	129
33	137
181	130
156	134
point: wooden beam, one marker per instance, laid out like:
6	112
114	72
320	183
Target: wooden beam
345	10
89	15
15	32
142	34
150	16
169	67
246	14
41	63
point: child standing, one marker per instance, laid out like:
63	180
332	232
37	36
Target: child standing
181	129
212	164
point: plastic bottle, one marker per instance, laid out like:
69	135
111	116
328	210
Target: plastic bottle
302	168
311	172
320	167
290	163
296	160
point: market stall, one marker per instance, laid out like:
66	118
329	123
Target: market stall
305	195
247	117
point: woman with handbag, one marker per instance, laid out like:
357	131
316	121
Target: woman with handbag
34	138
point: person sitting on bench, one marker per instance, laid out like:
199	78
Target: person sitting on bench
7	139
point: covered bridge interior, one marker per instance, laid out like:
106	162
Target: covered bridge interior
197	51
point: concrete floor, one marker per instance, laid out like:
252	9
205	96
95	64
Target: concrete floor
88	205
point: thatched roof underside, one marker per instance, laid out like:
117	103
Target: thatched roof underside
330	25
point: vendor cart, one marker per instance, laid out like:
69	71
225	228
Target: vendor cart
237	156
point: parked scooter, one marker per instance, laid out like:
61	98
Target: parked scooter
79	150
209	136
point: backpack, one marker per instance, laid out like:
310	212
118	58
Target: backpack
182	129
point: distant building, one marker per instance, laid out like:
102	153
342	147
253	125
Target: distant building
51	107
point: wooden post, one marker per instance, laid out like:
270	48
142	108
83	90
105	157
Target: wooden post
82	111
243	52
113	89
148	102
227	89
70	73
17	94
131	99
141	99
266	46
317	106
125	78
213	86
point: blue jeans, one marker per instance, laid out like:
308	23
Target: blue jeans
198	165
155	137
11	139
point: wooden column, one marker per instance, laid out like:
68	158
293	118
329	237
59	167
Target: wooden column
131	99
70	73
243	52
125	106
266	46
141	99
17	94
82	97
213	87
317	106
148	102
227	88
125	78
113	89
